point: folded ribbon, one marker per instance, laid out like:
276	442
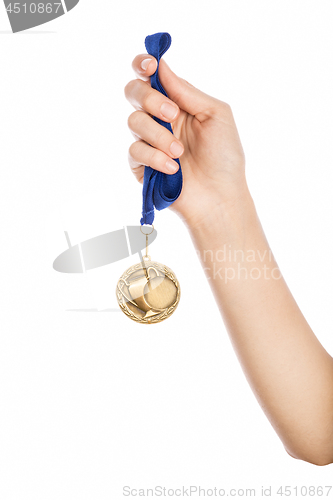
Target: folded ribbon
159	190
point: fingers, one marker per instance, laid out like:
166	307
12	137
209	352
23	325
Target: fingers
180	92
141	154
143	97
144	65
137	168
157	145
147	129
186	96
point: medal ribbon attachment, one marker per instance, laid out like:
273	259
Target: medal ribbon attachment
149	292
160	190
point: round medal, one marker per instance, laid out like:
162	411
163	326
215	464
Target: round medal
148	292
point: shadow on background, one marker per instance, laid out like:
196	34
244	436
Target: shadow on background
27	32
94	310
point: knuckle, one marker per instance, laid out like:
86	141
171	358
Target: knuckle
129	87
221	110
134	119
189	84
133	151
147	98
160	138
138	172
156	158
225	106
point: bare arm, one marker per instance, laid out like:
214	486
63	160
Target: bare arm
289	371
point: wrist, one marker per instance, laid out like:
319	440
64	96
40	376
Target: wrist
226	214
231	237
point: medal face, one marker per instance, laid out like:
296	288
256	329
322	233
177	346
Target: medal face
148	292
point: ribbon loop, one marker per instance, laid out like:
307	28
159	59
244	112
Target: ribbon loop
159	190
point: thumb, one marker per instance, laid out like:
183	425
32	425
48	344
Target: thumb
188	98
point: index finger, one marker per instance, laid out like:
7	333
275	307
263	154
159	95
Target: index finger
144	66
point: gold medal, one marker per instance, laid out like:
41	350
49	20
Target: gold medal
148	292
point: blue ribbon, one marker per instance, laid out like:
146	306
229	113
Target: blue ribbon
159	190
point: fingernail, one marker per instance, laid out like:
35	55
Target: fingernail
145	63
172	166
176	149
169	111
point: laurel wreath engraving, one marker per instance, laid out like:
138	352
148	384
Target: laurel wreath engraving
123	303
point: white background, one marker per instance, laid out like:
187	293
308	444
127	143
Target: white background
90	402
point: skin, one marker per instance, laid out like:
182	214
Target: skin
289	371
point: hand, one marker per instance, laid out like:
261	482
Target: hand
205	139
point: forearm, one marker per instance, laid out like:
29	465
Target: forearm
289	371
